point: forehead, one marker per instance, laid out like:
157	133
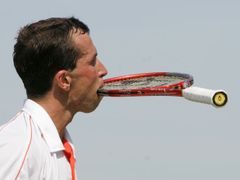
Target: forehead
84	43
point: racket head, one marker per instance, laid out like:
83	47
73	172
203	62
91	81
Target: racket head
147	84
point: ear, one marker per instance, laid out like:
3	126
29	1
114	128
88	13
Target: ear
63	80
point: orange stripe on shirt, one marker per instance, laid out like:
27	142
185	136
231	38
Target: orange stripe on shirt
70	157
30	121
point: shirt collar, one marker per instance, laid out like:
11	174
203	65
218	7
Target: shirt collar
45	124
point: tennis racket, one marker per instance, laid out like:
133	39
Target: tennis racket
161	84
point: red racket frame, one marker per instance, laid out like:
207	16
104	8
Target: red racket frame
166	90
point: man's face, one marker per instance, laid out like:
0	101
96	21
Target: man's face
87	77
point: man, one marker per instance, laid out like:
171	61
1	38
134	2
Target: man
57	62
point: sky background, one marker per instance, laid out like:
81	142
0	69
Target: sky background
146	138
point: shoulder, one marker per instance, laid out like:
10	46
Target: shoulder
16	131
15	141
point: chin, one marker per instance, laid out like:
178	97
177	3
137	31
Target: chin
91	108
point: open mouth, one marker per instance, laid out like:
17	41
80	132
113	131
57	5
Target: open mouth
99	89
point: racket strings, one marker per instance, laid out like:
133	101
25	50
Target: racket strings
143	82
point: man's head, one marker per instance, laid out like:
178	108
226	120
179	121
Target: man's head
57	53
42	49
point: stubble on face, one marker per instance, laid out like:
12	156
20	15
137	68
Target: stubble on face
85	77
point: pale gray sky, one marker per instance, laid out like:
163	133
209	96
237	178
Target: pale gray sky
147	138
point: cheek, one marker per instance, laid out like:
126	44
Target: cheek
88	80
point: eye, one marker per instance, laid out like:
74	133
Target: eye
93	61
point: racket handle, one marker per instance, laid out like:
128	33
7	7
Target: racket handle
217	98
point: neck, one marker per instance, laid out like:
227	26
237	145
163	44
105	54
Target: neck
59	114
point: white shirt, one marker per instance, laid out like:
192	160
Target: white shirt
30	147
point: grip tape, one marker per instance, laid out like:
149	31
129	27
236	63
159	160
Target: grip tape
217	98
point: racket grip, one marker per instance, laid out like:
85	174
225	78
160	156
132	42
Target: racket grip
217	98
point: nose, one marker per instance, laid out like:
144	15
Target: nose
102	71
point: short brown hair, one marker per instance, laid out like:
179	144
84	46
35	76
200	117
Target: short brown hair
42	49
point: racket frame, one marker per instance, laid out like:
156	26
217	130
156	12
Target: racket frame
174	89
